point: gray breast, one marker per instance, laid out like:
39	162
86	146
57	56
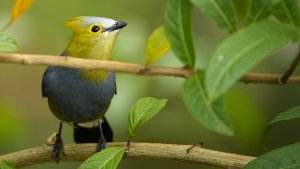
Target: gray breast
74	99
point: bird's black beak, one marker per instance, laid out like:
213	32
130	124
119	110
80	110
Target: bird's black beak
117	25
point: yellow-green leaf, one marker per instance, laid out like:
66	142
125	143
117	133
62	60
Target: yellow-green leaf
157	45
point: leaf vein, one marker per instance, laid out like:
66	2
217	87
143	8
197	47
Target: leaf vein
206	102
183	35
223	15
237	57
289	14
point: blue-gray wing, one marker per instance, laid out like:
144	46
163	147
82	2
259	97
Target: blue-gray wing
47	80
47	76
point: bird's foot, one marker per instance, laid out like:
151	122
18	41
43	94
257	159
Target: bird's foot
101	144
58	148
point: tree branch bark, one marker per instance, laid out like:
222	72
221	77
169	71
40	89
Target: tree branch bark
131	68
80	152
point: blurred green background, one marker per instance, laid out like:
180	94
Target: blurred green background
26	121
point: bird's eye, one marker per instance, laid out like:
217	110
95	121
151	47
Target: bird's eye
95	29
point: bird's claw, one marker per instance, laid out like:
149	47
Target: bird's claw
58	148
101	144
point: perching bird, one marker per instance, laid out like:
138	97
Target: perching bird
79	96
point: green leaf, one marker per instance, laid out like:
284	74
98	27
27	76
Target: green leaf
285	10
157	45
221	11
108	158
243	50
287	157
291	114
177	24
7	165
211	115
256	11
142	111
7	43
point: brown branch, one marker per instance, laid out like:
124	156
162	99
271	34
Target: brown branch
80	152
128	67
91	64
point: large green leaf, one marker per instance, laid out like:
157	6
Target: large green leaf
7	165
285	10
108	158
157	45
7	43
142	111
256	11
291	114
210	114
222	11
243	50
177	24
287	157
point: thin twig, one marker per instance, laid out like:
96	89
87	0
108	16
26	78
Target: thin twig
30	59
80	152
286	75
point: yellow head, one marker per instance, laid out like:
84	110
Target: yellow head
93	37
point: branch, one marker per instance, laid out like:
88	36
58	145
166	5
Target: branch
132	68
80	152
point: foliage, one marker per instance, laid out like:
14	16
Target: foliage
285	157
252	37
291	114
6	165
211	114
247	46
108	158
142	111
221	11
242	51
7	43
177	22
157	46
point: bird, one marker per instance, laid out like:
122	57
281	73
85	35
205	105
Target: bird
78	96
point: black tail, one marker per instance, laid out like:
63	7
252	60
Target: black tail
92	135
